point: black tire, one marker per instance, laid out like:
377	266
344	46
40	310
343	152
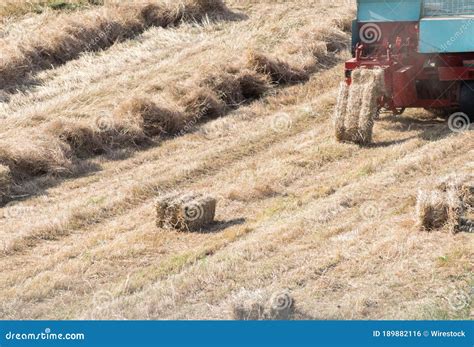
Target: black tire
466	99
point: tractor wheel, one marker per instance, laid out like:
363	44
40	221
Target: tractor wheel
466	99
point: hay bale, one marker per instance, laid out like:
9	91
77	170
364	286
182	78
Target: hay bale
278	70
354	119
436	209
5	182
259	305
462	183
282	306
466	225
431	210
455	209
188	212
248	305
373	89
452	181
354	101
340	111
467	195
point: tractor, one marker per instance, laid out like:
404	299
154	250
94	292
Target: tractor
424	50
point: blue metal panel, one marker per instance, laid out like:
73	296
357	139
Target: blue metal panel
443	8
447	35
388	10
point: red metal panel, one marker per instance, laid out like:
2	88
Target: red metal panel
455	73
434	103
404	87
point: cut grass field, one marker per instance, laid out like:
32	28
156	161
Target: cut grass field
330	223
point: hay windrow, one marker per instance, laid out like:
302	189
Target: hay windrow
236	87
82	138
226	86
136	121
40	155
147	115
201	9
67	36
159	15
252	84
318	41
133	123
279	71
203	104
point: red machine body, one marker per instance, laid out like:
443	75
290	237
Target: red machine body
412	79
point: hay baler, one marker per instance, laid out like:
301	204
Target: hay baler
425	48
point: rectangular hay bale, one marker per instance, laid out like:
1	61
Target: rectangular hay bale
436	209
357	106
188	212
431	210
5	182
462	183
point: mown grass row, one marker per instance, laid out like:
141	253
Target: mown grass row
64	38
139	121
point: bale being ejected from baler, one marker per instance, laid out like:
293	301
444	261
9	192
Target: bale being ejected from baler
357	106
